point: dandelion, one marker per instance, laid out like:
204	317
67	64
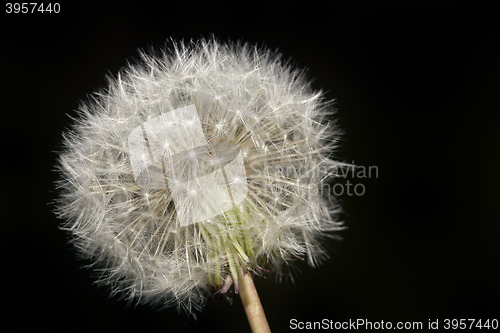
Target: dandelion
197	169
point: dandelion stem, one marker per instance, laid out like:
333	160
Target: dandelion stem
253	307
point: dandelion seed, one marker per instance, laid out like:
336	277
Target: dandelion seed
205	156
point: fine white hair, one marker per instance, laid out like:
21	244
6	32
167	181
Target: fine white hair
243	95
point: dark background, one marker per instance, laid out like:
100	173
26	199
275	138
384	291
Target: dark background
417	93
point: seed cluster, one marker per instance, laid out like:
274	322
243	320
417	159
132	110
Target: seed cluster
245	97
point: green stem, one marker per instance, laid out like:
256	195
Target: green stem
253	308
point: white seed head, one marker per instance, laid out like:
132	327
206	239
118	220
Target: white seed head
195	164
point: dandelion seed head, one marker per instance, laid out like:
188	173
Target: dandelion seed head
267	140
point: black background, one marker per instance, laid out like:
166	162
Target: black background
417	89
